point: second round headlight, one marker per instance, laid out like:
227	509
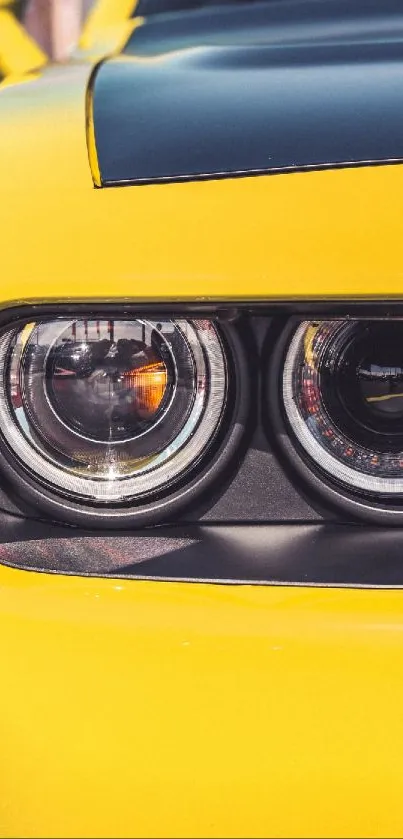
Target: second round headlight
111	410
343	398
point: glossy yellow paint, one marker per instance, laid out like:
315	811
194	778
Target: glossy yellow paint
19	54
133	709
318	233
91	141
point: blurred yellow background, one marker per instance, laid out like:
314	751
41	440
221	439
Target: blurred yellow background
55	26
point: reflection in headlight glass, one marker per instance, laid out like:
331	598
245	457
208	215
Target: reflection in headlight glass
111	409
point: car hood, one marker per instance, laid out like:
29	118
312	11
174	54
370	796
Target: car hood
255	88
310	234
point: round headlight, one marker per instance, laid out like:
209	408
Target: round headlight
111	411
342	392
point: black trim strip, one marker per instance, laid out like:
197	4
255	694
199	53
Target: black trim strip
253	173
329	555
217	308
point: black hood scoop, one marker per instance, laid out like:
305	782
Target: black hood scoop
261	88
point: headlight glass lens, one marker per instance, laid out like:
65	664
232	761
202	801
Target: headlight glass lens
343	397
111	410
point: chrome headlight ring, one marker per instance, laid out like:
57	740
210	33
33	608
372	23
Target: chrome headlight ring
331	415
156	471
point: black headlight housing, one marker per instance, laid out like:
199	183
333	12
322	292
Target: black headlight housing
119	417
334	408
129	415
255	504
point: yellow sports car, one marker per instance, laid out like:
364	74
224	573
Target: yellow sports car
201	425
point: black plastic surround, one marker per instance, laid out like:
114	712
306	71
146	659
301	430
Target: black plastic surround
255	473
273	554
262	515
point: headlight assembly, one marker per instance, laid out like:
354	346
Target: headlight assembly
341	396
112	415
113	418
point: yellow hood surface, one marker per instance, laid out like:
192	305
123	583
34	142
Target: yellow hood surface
310	234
